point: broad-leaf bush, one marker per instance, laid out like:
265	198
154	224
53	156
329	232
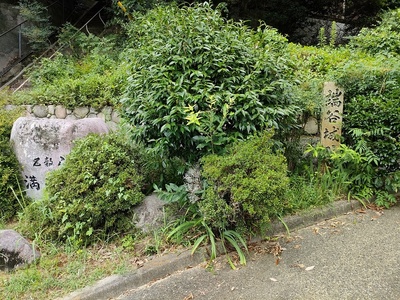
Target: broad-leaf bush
313	67
93	193
38	28
198	82
371	123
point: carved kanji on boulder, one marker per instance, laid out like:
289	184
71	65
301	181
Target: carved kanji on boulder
41	145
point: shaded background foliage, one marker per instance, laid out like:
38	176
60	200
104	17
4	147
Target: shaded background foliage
284	15
10	177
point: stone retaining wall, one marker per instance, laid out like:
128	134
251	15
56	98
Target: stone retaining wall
111	117
108	114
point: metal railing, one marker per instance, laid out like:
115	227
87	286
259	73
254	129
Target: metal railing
13	47
53	48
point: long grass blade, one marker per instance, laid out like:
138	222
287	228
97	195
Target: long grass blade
231	262
212	241
197	243
233	242
237	236
184	227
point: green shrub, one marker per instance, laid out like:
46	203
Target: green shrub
370	122
314	66
93	193
10	175
370	126
245	187
229	196
307	192
382	39
132	6
377	119
89	76
10	180
342	170
197	82
366	75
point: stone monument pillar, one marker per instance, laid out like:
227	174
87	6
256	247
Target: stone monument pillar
331	127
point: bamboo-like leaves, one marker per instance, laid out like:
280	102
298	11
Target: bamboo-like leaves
236	82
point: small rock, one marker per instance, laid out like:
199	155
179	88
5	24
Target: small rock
60	112
15	250
115	117
28	108
149	213
52	109
101	116
81	112
112	127
71	117
9	107
107	110
40	111
311	127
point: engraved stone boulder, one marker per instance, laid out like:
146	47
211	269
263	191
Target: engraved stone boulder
15	250
41	145
149	214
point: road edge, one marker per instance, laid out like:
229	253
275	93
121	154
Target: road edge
162	266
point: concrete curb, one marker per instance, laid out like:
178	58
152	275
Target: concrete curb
163	266
307	218
155	269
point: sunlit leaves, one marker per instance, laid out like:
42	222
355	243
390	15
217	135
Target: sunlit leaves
198	82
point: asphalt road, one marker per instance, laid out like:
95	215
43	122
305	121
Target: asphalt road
353	256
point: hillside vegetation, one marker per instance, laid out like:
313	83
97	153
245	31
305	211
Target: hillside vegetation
212	118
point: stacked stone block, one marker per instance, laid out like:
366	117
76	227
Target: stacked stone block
108	114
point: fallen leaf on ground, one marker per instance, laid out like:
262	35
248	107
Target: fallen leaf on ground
335	224
189	297
273	248
277	260
138	262
375	207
